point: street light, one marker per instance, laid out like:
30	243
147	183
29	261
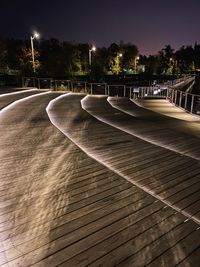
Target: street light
93	49
118	61
136	59
35	35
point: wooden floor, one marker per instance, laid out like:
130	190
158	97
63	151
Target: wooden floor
7	96
166	108
93	196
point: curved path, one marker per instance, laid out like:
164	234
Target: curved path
177	124
170	177
168	109
8	98
110	147
59	207
149	126
7	90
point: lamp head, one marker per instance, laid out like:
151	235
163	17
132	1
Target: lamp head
36	35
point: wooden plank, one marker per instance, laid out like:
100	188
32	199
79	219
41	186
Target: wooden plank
151	251
130	240
191	260
183	248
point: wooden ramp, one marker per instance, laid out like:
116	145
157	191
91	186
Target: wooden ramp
6	99
166	108
60	207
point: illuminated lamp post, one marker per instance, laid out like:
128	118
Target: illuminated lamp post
135	63
118	58
93	49
35	35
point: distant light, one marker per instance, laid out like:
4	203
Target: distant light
155	92
37	35
120	55
137	57
94	48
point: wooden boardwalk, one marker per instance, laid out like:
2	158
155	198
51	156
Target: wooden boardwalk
155	169
60	206
157	129
166	108
8	96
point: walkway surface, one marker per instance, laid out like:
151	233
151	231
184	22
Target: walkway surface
78	192
166	108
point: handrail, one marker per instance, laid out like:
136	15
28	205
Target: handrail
187	101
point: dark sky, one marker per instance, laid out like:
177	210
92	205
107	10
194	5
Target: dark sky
150	24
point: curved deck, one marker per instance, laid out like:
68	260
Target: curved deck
61	206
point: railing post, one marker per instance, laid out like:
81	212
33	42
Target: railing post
38	83
108	87
151	92
68	85
91	91
175	97
180	98
105	88
192	104
167	93
71	86
172	95
140	92
51	83
124	90
185	106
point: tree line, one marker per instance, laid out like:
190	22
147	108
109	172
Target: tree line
55	58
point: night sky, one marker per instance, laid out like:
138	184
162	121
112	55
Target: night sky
149	24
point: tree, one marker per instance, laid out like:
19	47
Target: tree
3	55
100	63
185	59
26	61
167	59
152	64
130	53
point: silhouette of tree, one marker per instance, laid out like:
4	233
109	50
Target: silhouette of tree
3	55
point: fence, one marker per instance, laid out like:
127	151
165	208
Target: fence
184	100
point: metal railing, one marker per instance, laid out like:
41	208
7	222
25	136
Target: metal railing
184	100
188	102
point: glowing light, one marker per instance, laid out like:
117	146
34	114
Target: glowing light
36	35
155	92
